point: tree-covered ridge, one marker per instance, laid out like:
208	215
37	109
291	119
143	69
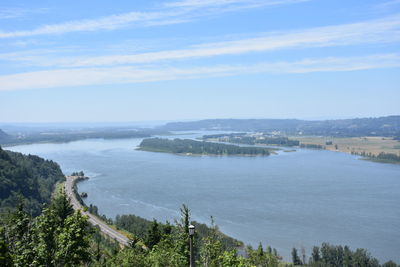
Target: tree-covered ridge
3	136
28	177
252	139
383	126
57	136
187	146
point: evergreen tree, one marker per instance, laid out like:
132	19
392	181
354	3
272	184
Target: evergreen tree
211	249
315	257
5	255
62	207
45	230
73	241
183	233
20	236
153	235
295	257
389	264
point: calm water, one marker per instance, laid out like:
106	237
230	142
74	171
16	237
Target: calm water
297	199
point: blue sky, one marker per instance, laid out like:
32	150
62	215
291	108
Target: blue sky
98	61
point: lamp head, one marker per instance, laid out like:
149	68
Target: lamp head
191	230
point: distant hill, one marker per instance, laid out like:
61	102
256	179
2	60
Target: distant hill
68	135
28	177
382	126
3	135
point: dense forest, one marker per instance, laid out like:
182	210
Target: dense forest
187	146
243	138
138	226
60	236
29	178
383	126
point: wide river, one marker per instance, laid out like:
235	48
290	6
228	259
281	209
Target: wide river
297	199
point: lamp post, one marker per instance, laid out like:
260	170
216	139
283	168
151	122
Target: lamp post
191	233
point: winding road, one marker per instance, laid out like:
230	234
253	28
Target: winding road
107	230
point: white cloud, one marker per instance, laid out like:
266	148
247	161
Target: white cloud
12	13
121	75
375	31
244	3
176	12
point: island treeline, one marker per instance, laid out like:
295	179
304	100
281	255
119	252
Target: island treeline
187	146
381	157
29	178
252	139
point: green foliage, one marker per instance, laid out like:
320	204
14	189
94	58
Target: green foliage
242	138
389	264
45	230
381	157
62	208
128	257
80	174
211	249
45	240
5	255
132	223
153	235
73	241
167	253
295	257
261	258
332	256
188	146
28	177
311	146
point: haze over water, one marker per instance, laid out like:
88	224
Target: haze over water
301	198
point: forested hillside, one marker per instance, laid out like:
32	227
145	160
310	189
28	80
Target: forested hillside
3	136
26	177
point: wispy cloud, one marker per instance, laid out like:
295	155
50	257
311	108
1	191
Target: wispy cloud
16	12
374	31
172	13
389	3
215	3
123	75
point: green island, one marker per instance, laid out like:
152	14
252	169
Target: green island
192	147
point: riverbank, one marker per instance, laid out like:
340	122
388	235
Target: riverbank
369	147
